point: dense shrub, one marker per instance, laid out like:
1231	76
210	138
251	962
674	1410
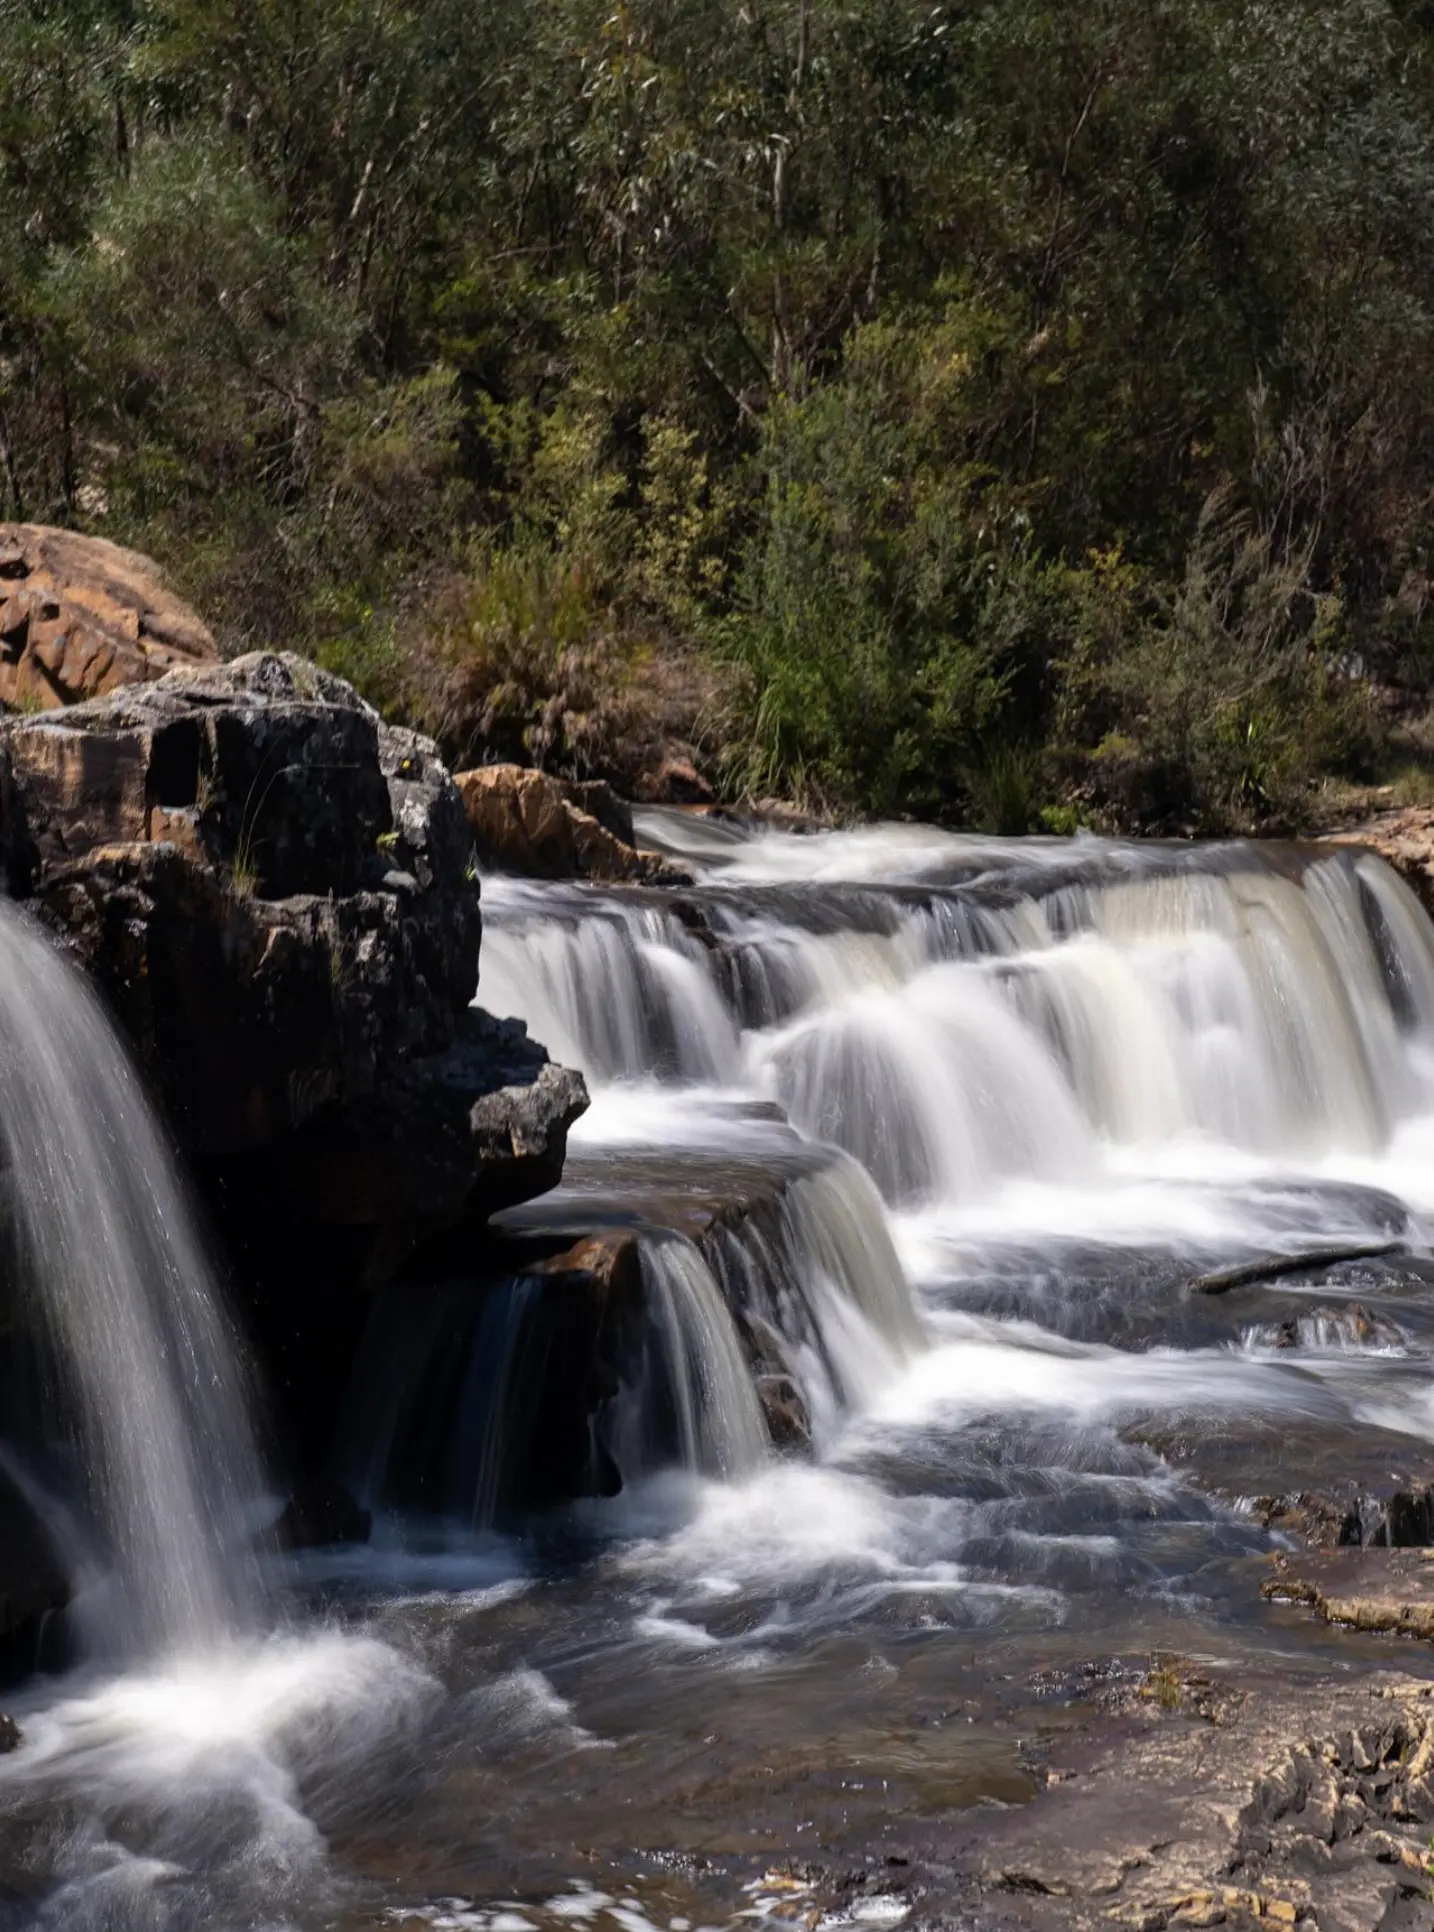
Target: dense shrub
1214	704
1021	413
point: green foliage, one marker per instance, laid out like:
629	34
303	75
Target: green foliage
892	615
1213	705
1021	413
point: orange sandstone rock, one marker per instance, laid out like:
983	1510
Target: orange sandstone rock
80	617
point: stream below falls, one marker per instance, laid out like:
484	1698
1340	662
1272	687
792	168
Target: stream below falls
986	1109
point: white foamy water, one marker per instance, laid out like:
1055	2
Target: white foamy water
1062	1016
147	1394
923	1137
690	1400
183	1794
169	1775
1048	1056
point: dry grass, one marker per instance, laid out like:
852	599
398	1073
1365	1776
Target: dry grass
523	660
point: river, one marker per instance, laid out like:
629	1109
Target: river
990	1111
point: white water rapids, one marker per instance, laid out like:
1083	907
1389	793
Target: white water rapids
958	1045
1080	1074
990	1106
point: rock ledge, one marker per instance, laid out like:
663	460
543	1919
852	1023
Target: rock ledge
276	892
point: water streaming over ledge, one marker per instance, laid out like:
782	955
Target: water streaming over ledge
934	1130
957	1034
158	1785
688	1399
136	1347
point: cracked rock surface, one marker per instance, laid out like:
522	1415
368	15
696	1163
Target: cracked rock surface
275	891
1229	1802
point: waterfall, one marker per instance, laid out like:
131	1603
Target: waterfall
957	1020
818	1278
621	991
467	1407
1248	1009
688	1398
117	1282
446	1399
1008	1027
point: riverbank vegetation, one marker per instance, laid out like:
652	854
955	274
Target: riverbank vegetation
1006	411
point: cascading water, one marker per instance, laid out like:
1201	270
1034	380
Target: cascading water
658	1011
146	1370
159	1789
958	1042
914	1401
818	1276
688	1399
444	1402
1046	1056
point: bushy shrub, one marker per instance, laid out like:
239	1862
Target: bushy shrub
1212	707
520	658
847	379
889	610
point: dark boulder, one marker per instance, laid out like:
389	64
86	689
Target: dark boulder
275	891
318	1515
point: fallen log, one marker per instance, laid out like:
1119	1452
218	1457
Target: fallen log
1269	1267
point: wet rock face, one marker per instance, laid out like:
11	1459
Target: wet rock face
540	827
1389	1588
276	892
537	1325
1300	1804
33	1585
79	617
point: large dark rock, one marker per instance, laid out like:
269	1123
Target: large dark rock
482	1385
276	893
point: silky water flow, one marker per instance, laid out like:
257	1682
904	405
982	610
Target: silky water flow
924	1140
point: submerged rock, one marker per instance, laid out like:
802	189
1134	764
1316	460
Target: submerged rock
784	1412
79	616
1351	1326
542	827
1377	1590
